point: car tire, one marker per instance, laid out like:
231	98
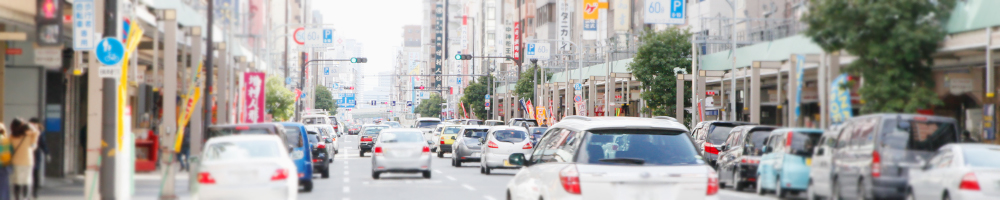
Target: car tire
440	154
375	175
862	193
781	193
427	174
760	190
482	170
909	195
736	181
307	186
361	153
835	191
326	172
487	170
811	192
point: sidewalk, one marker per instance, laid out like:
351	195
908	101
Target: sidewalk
147	186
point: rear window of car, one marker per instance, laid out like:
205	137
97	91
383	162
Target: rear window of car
510	135
475	122
293	136
757	142
638	147
919	135
224	131
394	124
803	143
314	120
427	124
535	131
241	150
333	120
401	137
718	133
974	155
452	130
313	138
475	133
374	130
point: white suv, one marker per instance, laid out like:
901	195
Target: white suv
613	158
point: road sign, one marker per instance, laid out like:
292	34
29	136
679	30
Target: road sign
374	102
83	25
326	70
487	96
297	36
110	72
664	12
110	51
288	81
459	80
487	104
409	103
540	51
393	103
314	37
346	100
578	98
578	86
337	85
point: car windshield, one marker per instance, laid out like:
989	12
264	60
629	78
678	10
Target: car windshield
803	142
401	137
374	130
529	123
313	138
538	131
239	130
293	136
475	122
241	150
475	133
918	135
719	132
452	130
974	155
639	147
333	120
428	124
510	136
314	120
757	142
394	124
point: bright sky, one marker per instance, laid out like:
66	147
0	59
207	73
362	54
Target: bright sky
378	24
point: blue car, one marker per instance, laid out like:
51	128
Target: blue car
301	152
784	167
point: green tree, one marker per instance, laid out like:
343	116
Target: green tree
278	99
430	107
324	100
525	86
893	40
475	96
654	64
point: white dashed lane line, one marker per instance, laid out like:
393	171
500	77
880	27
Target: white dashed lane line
488	197
346	180
347	189
468	187
450	178
438	171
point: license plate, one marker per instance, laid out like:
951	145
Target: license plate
506	163
475	155
809	161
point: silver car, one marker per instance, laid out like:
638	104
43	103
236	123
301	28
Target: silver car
500	142
466	147
401	151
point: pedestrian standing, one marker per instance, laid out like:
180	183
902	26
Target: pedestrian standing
41	157
23	138
5	155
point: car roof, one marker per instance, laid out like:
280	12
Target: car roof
244	137
370	125
401	130
291	124
476	127
494	120
591	123
259	125
494	128
428	119
797	130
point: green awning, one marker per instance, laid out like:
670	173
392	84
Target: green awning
973	15
776	50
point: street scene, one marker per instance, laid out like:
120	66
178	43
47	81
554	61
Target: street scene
499	99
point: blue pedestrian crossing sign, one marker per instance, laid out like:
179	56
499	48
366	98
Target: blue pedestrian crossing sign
110	51
326	70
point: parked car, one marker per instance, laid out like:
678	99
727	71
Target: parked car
712	136
321	158
246	167
301	152
958	171
401	151
536	134
739	157
499	143
613	158
784	167
427	125
368	135
446	137
467	147
821	169
875	153
494	123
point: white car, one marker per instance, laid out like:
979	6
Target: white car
427	126
650	159
330	135
401	151
958	172
500	142
246	167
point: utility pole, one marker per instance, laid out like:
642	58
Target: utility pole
108	117
168	128
285	55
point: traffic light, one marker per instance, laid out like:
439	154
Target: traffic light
48	23
463	57
359	60
421	87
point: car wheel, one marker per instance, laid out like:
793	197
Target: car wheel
945	196
736	181
835	191
427	174
909	195
326	172
307	186
777	189
760	191
811	192
487	169
862	193
482	170
375	175
440	154
361	153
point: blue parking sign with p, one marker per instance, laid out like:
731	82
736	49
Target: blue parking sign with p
530	48
327	35
676	8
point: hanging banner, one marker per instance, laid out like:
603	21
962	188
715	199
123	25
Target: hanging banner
438	42
531	110
989	122
186	117
800	71
623	13
565	28
254	95
840	100
133	43
540	115
590	17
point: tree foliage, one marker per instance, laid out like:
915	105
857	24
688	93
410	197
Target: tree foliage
475	96
654	65
325	101
893	40
430	107
525	86
278	99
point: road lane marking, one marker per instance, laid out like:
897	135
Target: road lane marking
450	178
438	171
468	187
347	179
347	189
488	197
347	173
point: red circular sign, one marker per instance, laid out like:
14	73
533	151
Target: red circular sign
295	36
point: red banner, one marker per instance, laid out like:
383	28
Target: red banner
254	95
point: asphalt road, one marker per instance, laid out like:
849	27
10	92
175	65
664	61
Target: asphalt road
350	178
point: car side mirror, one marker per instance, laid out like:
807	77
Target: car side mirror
517	159
482	140
765	150
820	151
723	148
453	137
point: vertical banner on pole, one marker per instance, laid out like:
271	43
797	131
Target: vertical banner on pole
254	95
800	70
989	123
840	100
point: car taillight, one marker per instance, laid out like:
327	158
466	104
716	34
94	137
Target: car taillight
713	184
426	150
710	149
366	139
876	164
315	160
570	179
442	140
205	178
321	146
526	146
378	151
492	145
280	174
969	182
